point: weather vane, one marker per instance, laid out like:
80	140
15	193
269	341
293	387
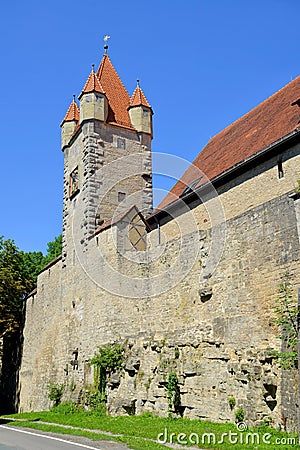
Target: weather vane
105	39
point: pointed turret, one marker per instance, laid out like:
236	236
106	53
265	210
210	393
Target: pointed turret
93	101
140	111
69	123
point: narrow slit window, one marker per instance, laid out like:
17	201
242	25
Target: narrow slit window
280	169
121	196
121	143
74	182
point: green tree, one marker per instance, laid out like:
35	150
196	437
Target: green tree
18	275
14	284
54	249
34	262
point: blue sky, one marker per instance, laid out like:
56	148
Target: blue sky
201	63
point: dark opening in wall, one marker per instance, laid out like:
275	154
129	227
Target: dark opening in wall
280	169
74	182
121	196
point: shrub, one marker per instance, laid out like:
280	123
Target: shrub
95	400
239	415
65	408
55	393
232	402
108	359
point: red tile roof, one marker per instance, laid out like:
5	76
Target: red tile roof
116	93
268	122
138	98
92	85
73	113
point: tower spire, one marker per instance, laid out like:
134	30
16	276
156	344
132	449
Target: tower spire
105	39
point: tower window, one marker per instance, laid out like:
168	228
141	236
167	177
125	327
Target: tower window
74	182
121	143
121	196
145	112
280	169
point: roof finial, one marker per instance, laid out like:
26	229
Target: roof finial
93	68
74	96
138	83
106	37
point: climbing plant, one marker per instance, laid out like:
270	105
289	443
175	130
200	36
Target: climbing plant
174	401
287	318
105	361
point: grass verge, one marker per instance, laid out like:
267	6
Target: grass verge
134	429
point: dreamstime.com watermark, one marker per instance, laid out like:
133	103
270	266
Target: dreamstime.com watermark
241	436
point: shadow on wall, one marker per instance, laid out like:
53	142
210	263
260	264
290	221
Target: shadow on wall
9	371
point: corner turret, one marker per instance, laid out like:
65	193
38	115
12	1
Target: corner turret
140	112
69	123
93	101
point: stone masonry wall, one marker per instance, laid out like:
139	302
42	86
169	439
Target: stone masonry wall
45	341
218	345
213	328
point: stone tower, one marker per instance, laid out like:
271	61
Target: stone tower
107	154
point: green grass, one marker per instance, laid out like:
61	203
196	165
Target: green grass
134	428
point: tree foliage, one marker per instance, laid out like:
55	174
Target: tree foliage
54	249
34	262
14	284
18	274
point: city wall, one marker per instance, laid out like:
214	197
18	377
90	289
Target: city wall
213	328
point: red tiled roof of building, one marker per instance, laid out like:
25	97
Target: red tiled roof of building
256	130
116	93
73	113
138	98
92	85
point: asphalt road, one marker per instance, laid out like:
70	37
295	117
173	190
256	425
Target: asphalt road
13	438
